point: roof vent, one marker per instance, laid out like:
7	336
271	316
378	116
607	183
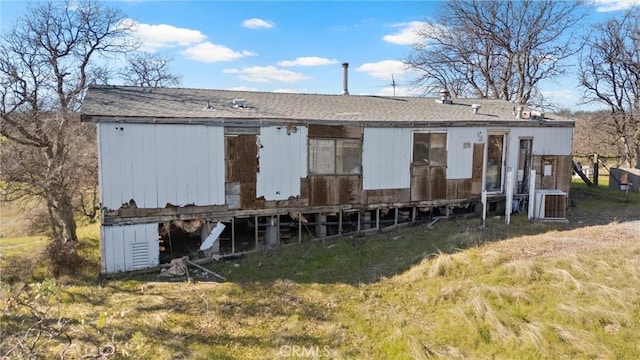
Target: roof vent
239	103
537	115
475	108
445	97
519	112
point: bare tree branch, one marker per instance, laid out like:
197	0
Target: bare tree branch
46	63
610	75
496	49
148	70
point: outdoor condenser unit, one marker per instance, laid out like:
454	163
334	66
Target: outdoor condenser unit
550	204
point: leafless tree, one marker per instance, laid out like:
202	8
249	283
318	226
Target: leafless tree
148	70
496	49
610	75
594	134
46	62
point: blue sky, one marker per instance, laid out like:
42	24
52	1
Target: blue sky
295	46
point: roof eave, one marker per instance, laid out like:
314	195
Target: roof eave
257	122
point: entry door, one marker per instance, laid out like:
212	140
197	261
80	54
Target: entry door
429	166
496	154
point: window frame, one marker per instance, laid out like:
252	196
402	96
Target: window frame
442	160
501	169
338	157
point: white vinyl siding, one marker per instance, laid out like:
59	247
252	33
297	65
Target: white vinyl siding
283	162
156	165
386	156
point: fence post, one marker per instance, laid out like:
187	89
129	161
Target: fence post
595	170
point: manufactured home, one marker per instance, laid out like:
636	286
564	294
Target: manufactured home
264	168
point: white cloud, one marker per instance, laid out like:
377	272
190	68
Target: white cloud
209	52
266	74
562	97
154	37
256	23
383	69
407	34
614	5
308	61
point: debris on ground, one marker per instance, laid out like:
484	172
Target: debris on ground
177	267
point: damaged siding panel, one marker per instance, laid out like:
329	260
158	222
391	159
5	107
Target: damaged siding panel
428	183
156	165
283	162
334	190
335	131
459	188
476	172
129	247
107	152
115	165
386	196
134	147
322	157
241	158
241	167
386	156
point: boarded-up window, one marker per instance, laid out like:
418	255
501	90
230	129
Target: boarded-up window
348	156
429	149
322	154
334	157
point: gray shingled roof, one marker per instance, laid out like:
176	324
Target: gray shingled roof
167	104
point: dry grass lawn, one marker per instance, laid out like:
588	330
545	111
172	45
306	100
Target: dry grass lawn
528	290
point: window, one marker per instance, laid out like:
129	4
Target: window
334	157
429	149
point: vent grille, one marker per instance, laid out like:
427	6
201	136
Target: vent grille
140	255
555	206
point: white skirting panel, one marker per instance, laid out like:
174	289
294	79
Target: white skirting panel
129	247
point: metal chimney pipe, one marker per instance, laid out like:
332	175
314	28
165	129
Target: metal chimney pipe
345	78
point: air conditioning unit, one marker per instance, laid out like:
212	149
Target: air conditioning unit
550	204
